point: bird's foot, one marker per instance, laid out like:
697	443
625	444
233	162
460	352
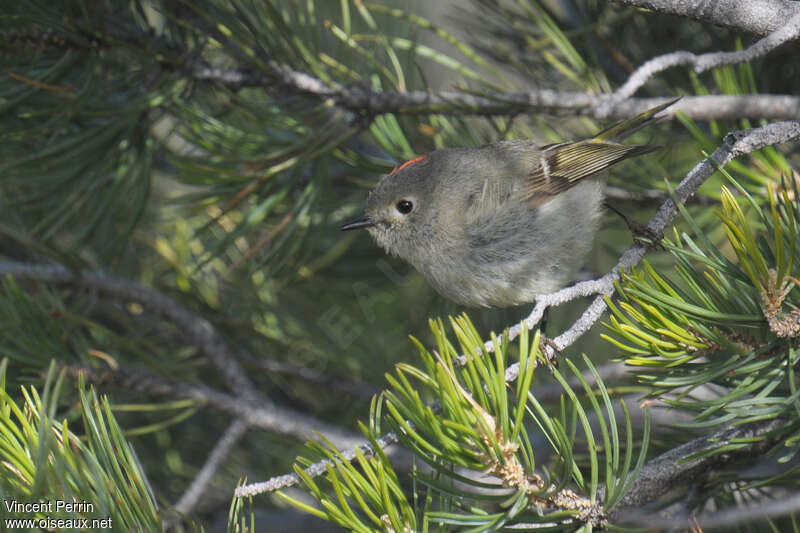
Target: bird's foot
550	350
646	236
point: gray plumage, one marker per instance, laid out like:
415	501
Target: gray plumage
498	224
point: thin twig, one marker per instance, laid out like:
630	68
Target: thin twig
319	468
202	481
700	63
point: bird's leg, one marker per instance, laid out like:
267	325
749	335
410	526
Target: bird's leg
545	342
543	321
639	231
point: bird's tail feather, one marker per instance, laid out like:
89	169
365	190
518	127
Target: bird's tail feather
623	129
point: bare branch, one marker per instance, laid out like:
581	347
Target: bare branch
713	107
362	100
319	468
728	519
202	481
703	62
199	330
789	32
754	16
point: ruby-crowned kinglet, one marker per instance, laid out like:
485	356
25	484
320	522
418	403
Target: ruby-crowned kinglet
497	224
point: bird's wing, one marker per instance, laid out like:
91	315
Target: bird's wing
563	165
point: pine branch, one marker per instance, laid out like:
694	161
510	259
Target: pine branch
256	413
367	102
670	469
44	460
362	100
608	373
544	393
686	462
198	330
735	144
755	16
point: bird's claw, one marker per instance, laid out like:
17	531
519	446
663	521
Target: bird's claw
646	236
550	351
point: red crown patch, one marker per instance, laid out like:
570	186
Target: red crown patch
407	163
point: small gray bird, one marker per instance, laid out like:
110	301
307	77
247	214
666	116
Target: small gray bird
495	225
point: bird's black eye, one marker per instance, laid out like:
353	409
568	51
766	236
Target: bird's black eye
404	206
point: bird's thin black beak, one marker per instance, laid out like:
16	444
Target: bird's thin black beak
364	222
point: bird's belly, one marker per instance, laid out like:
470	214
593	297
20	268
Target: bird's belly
499	284
518	253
